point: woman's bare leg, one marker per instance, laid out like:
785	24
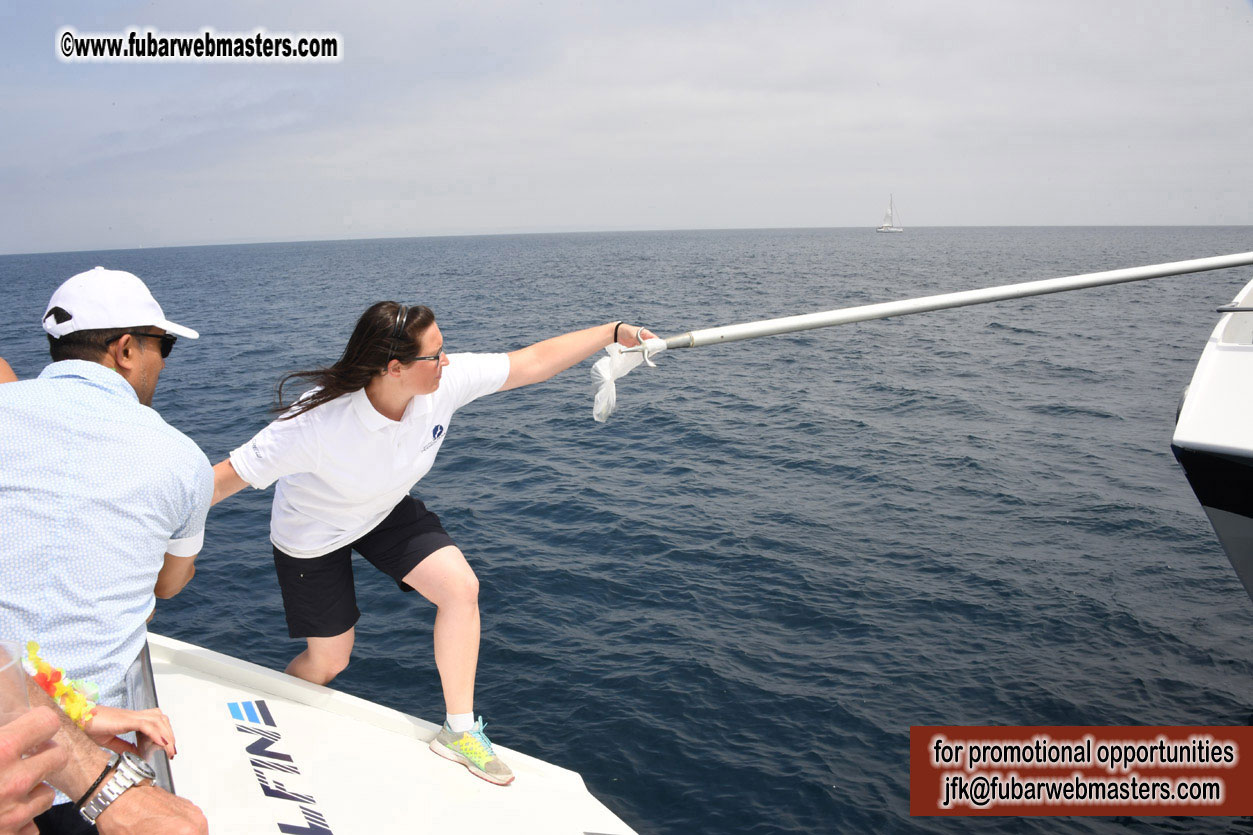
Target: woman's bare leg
324	658
446	579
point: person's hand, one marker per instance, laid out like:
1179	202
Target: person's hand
23	794
147	810
631	335
109	722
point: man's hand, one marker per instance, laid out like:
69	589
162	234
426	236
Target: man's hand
147	810
23	794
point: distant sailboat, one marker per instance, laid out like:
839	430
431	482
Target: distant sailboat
889	219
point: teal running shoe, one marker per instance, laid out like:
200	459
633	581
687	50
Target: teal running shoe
474	750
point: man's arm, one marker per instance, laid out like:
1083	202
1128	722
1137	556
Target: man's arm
175	573
179	563
86	759
142	810
538	362
6	373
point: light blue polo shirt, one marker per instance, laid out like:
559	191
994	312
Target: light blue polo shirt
95	488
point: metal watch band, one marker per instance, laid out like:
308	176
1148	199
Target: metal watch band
130	771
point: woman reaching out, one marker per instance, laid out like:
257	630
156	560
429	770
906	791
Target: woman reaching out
345	457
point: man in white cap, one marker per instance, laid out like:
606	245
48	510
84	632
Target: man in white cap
102	505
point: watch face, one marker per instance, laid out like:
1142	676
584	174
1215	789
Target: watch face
141	766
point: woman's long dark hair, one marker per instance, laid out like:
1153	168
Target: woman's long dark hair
386	331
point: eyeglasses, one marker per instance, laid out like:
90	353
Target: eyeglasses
167	340
438	355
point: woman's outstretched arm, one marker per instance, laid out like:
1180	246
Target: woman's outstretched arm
538	362
226	482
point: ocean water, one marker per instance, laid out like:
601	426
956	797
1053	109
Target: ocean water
727	606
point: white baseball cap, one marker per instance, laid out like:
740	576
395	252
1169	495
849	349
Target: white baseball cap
101	298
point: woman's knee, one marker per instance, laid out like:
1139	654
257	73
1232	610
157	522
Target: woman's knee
446	579
464	591
331	656
319	670
335	668
318	664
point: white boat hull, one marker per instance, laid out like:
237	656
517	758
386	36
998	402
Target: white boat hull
260	751
1213	438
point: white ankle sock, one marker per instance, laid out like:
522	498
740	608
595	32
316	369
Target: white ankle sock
460	722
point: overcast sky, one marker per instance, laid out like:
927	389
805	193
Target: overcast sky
482	117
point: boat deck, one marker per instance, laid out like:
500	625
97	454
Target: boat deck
260	751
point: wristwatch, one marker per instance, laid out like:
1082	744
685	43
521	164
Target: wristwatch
128	772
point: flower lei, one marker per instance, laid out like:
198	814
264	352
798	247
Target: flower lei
75	696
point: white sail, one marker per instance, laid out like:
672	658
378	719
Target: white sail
889	218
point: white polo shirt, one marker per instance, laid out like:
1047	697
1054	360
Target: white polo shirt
341	467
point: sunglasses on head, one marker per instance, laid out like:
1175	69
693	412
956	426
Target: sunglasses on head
402	314
167	340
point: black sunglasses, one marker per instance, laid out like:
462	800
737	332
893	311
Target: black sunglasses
167	340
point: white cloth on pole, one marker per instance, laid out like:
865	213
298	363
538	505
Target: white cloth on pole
606	370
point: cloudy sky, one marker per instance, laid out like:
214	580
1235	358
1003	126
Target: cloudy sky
485	117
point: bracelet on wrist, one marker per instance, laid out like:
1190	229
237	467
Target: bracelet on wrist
113	760
130	771
615	330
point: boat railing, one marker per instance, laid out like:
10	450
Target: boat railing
141	688
1236	330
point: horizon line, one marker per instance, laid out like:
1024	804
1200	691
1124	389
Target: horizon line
620	231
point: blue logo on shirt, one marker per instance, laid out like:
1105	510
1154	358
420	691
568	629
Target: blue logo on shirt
436	432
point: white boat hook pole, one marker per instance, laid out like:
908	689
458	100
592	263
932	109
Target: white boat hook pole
848	315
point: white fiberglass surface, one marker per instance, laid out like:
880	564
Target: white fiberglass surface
1238	329
257	750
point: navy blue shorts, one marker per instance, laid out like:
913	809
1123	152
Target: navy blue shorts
319	596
